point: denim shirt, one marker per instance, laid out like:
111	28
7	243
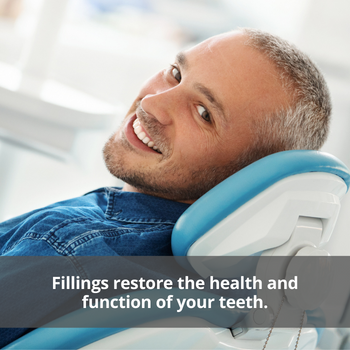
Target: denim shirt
106	221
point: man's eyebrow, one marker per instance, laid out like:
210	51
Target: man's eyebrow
181	59
210	97
183	62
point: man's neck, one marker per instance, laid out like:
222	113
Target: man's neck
130	188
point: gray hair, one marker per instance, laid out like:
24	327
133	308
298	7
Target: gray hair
303	125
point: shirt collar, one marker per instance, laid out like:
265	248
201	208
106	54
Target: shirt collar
137	207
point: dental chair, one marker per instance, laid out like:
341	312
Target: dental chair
285	204
337	338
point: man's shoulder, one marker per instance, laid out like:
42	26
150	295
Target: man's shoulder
105	221
50	227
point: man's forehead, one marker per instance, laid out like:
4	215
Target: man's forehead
219	52
223	53
227	40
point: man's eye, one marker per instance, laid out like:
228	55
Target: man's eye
176	74
204	113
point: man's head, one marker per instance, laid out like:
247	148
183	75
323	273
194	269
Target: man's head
223	104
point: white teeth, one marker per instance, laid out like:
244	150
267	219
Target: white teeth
142	135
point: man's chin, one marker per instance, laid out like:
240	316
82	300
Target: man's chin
150	184
167	182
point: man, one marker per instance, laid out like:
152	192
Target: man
226	102
223	104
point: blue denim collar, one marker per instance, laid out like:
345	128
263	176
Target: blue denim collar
141	208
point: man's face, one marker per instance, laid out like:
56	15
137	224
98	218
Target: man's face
197	113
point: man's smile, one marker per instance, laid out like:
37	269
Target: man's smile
137	136
143	135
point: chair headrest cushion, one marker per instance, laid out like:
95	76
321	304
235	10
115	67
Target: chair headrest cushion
242	186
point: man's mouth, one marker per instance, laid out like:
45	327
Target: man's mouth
142	136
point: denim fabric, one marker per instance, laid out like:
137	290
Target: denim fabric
107	221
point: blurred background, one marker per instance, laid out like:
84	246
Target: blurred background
69	70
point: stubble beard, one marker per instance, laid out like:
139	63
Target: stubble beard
172	182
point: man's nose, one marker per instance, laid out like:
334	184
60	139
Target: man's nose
162	105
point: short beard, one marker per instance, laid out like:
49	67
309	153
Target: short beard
186	185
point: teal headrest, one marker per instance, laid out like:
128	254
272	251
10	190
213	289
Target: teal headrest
242	186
